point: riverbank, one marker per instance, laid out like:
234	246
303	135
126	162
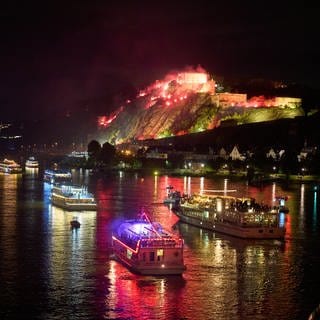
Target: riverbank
258	179
242	175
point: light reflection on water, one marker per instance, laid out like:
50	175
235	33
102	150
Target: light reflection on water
71	275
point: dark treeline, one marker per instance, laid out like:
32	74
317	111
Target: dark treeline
284	133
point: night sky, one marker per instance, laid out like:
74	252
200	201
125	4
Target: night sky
60	58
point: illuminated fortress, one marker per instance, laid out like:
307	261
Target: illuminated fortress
188	102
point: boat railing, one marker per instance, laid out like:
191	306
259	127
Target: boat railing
128	241
241	206
217	191
163	243
147	242
250	218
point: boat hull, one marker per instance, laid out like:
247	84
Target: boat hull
147	268
32	165
11	171
173	203
73	206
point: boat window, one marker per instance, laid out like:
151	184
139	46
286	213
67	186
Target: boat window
159	254
152	256
129	254
219	205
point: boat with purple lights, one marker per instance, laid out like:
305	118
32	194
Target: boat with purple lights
144	247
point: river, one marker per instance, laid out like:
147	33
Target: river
48	271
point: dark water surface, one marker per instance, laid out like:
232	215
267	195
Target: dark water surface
48	271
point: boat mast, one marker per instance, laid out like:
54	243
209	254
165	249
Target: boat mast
145	215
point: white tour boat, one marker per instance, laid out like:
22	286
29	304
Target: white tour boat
72	197
146	248
239	217
10	166
57	175
32	163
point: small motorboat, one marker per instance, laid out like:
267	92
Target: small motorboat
74	223
173	198
282	203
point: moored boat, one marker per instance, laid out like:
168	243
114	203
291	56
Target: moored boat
10	166
57	175
282	204
72	197
239	217
172	198
32	163
145	247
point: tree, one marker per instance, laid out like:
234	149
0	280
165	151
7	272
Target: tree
94	149
289	162
107	153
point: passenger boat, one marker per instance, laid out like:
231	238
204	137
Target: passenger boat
32	163
57	176
239	217
144	247
10	166
72	197
172	198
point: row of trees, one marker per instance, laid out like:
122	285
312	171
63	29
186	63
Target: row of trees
100	155
105	157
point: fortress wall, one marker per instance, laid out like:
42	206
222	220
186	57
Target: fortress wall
288	102
231	99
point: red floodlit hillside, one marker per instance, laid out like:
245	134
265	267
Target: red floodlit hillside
187	102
